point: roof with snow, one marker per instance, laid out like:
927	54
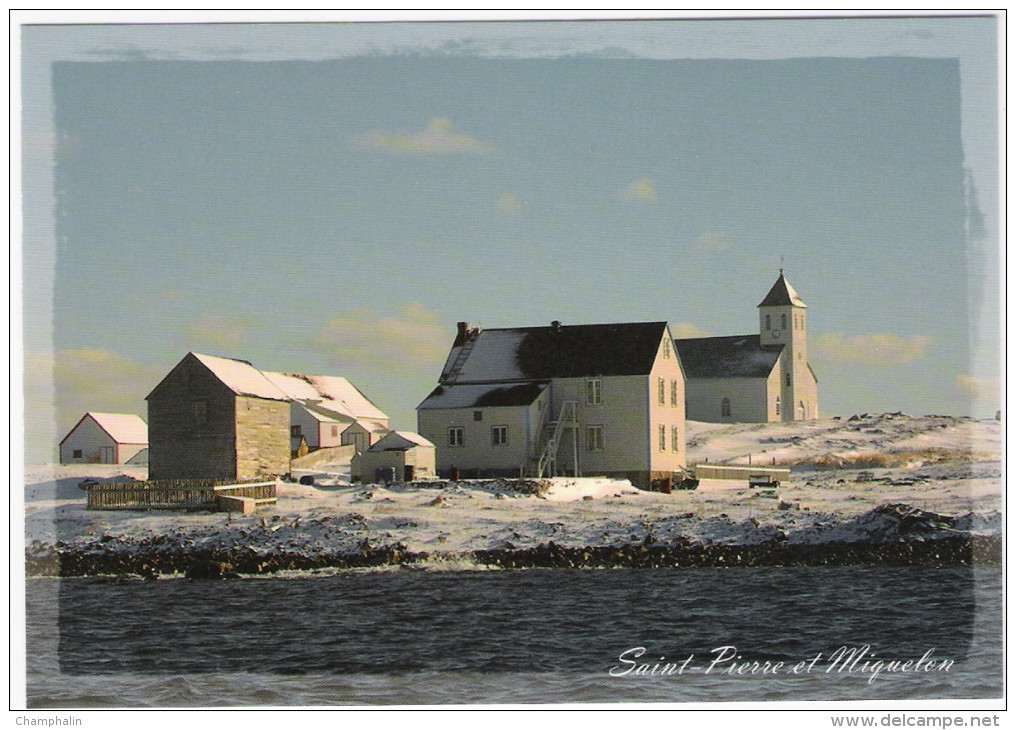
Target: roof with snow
557	351
782	294
241	377
368	425
327	394
124	428
401	441
483	395
737	356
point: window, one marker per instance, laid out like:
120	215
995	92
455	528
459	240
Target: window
788	380
767	322
335	431
296	431
663	437
777	405
675	438
77	454
783	321
594	438
477	415
673	393
455	436
594	392
725	407
499	436
200	412
661	387
666	347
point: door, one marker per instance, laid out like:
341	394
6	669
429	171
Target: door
106	455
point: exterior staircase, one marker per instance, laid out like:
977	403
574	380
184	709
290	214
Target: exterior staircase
568	418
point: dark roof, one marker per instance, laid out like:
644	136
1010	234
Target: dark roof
738	356
782	294
483	395
556	351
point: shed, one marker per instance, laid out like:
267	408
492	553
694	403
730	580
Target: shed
104	438
401	456
364	433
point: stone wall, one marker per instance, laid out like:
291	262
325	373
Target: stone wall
262	438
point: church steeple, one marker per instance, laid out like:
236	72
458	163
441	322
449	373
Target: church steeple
782	324
782	295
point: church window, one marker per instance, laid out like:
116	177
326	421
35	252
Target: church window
777	405
725	407
663	437
768	322
675	438
661	386
673	393
788	379
666	347
783	321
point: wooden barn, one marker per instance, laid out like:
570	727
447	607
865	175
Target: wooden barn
104	438
218	418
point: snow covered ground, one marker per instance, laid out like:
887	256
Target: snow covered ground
842	470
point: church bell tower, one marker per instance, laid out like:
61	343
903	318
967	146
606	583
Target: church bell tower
783	321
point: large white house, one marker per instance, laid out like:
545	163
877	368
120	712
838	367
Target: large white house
593	399
754	378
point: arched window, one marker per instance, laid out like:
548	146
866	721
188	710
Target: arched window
777	405
783	321
725	407
788	380
767	322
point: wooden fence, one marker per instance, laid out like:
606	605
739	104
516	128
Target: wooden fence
176	494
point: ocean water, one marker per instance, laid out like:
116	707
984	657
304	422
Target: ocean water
516	637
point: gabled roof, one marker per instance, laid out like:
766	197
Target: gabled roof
782	294
400	441
368	425
241	377
557	351
326	394
737	356
482	395
123	428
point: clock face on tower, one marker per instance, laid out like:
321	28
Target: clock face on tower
776	333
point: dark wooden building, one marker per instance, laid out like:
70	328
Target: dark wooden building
218	418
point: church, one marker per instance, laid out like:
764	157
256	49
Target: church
754	378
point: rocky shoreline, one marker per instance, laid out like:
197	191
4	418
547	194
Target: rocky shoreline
148	561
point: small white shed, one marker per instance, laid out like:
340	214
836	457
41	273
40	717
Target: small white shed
364	433
104	438
401	456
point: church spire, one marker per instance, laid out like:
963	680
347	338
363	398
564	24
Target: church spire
782	294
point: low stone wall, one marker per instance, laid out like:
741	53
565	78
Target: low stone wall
327	455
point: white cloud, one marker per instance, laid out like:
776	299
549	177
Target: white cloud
413	339
640	190
879	349
978	387
713	241
218	330
686	330
510	204
437	139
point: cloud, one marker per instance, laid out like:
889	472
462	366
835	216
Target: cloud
218	330
978	387
878	349
412	340
713	241
686	330
437	139
510	204
641	190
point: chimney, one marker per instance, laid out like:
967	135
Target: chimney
555	326
460	336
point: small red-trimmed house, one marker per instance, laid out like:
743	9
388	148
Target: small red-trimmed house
104	438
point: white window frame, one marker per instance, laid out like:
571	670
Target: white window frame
594	391
456	437
663	437
673	393
498	435
675	438
661	391
594	438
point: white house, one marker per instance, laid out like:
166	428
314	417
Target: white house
402	455
104	438
595	399
754	378
363	434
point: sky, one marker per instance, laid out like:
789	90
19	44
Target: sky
333	198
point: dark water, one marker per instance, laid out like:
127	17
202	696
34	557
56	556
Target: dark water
509	637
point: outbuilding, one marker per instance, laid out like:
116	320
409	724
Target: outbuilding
104	438
401	456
